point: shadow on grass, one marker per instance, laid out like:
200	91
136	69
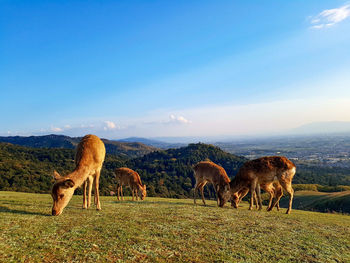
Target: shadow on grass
4	209
164	203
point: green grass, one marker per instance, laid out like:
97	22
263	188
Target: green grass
323	202
165	230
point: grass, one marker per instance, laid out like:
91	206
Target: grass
320	201
165	230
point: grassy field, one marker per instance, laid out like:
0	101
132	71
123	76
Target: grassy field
321	202
165	230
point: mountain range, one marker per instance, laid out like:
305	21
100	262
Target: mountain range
126	149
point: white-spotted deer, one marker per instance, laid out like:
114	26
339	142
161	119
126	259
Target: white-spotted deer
209	172
126	176
264	171
89	158
275	190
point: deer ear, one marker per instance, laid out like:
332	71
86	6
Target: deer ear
56	175
144	186
67	183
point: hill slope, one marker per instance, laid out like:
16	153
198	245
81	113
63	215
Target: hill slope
165	230
166	173
128	149
321	202
170	172
30	169
154	143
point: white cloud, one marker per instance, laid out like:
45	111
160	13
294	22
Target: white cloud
109	125
56	129
178	119
330	17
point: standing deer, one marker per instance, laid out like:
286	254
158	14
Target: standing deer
264	171
126	176
209	172
275	190
89	158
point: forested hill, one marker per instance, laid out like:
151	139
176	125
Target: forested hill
166	173
169	173
129	149
30	169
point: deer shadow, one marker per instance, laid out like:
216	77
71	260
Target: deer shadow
4	209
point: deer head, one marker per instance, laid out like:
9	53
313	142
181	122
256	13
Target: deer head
223	194
143	192
235	200
62	192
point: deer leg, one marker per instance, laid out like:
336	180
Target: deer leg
271	193
244	192
97	193
118	192
132	192
137	194
252	193
288	187
121	192
270	202
258	192
90	181
84	196
194	194
201	188
290	191
256	201
279	194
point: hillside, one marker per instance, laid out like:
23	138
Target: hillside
170	173
322	202
154	143
30	169
166	173
165	230
127	149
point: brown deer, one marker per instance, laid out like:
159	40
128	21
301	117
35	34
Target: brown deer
264	171
209	172
275	190
89	158
126	176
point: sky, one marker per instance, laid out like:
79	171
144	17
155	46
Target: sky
172	68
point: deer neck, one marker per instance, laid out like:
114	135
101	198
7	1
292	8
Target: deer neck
79	175
139	187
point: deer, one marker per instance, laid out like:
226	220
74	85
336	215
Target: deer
275	190
264	171
209	172
129	177
89	158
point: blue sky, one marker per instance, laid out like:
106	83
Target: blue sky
172	68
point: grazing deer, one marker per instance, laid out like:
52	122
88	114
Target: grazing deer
126	176
209	172
88	160
263	171
275	190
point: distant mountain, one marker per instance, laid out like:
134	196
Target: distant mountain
130	149
329	127
154	143
46	141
